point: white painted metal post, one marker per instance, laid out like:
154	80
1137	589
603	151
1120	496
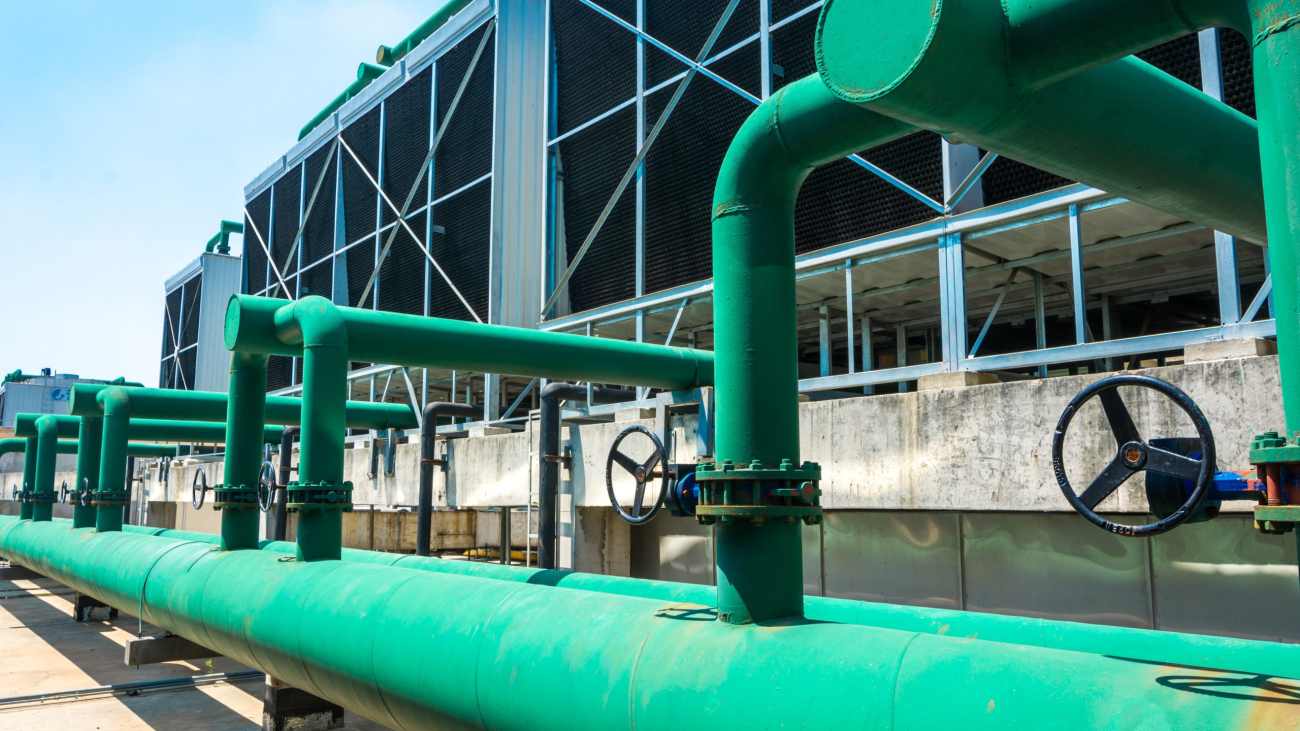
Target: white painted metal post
1076	271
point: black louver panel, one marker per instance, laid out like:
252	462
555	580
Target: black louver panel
406	142
278	369
359	195
591	163
193	296
684	26
1007	179
782	9
1238	74
318	280
297	370
465	153
187	361
254	255
171	320
318	235
1180	58
360	265
401	278
595	60
681	170
462	252
165	371
288	202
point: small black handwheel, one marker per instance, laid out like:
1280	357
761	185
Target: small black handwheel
642	472
16	493
63	492
1135	455
199	488
83	497
265	486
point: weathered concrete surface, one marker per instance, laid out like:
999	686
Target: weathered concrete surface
954	379
1228	349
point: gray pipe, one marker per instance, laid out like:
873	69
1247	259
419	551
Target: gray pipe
282	489
428	434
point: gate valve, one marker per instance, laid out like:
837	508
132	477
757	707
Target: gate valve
1135	455
199	488
644	473
265	486
83	497
63	492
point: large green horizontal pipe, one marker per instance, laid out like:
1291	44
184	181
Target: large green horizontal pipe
158	430
1273	658
12	445
166	403
366	73
274	327
389	55
1126	127
422	650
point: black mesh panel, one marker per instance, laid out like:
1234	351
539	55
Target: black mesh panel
406	141
187	360
318	236
595	60
318	280
465	152
1238	75
278	368
592	162
401	278
1007	179
288	199
462	252
165	371
193	295
254	255
782	9
361	263
171	320
684	26
792	50
1180	58
359	195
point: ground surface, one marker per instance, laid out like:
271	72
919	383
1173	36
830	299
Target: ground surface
43	651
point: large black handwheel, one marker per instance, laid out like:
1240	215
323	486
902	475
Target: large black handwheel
199	489
1134	455
642	472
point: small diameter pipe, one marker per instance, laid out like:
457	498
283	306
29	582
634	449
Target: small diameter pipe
428	439
552	401
282	486
389	55
191	681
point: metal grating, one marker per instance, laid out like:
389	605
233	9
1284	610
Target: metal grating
681	171
193	295
171	318
318	280
1009	179
462	252
360	265
318	235
465	153
187	361
288	206
278	369
359	196
165	373
684	26
1238	74
1180	58
591	164
595	60
401	278
254	256
406	141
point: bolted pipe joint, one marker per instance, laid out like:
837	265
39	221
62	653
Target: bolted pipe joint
41	494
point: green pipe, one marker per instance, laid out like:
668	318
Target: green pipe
220	242
327	337
389	55
47	444
514	655
1277	659
243	457
801	126
1125	127
90	443
366	73
29	478
174	404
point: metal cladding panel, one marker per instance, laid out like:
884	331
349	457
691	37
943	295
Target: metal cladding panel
406	142
360	199
519	166
255	270
462	252
595	60
465	152
284	221
1238	74
401	277
220	281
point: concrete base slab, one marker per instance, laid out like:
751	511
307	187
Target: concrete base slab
1228	349
954	379
86	608
487	431
633	414
287	708
164	648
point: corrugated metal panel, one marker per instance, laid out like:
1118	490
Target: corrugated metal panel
220	281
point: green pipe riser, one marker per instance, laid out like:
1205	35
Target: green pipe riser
220	242
43	494
366	73
243	457
389	55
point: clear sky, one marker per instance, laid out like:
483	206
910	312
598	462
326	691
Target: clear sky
128	130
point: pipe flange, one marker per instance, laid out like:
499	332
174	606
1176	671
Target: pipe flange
43	497
110	498
234	497
755	493
1273	448
319	496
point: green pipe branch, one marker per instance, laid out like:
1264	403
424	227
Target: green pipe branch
514	655
220	242
327	337
389	55
366	73
42	483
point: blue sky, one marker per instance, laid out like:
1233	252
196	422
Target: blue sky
127	132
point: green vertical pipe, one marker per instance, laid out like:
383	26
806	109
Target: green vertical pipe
112	460
320	462
803	125
47	445
90	440
243	459
29	477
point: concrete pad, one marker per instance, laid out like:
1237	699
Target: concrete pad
633	414
164	648
1229	349
954	379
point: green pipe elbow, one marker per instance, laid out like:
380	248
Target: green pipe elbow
366	73
389	55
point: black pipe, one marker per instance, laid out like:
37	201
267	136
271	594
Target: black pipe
548	448
428	435
282	489
130	476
